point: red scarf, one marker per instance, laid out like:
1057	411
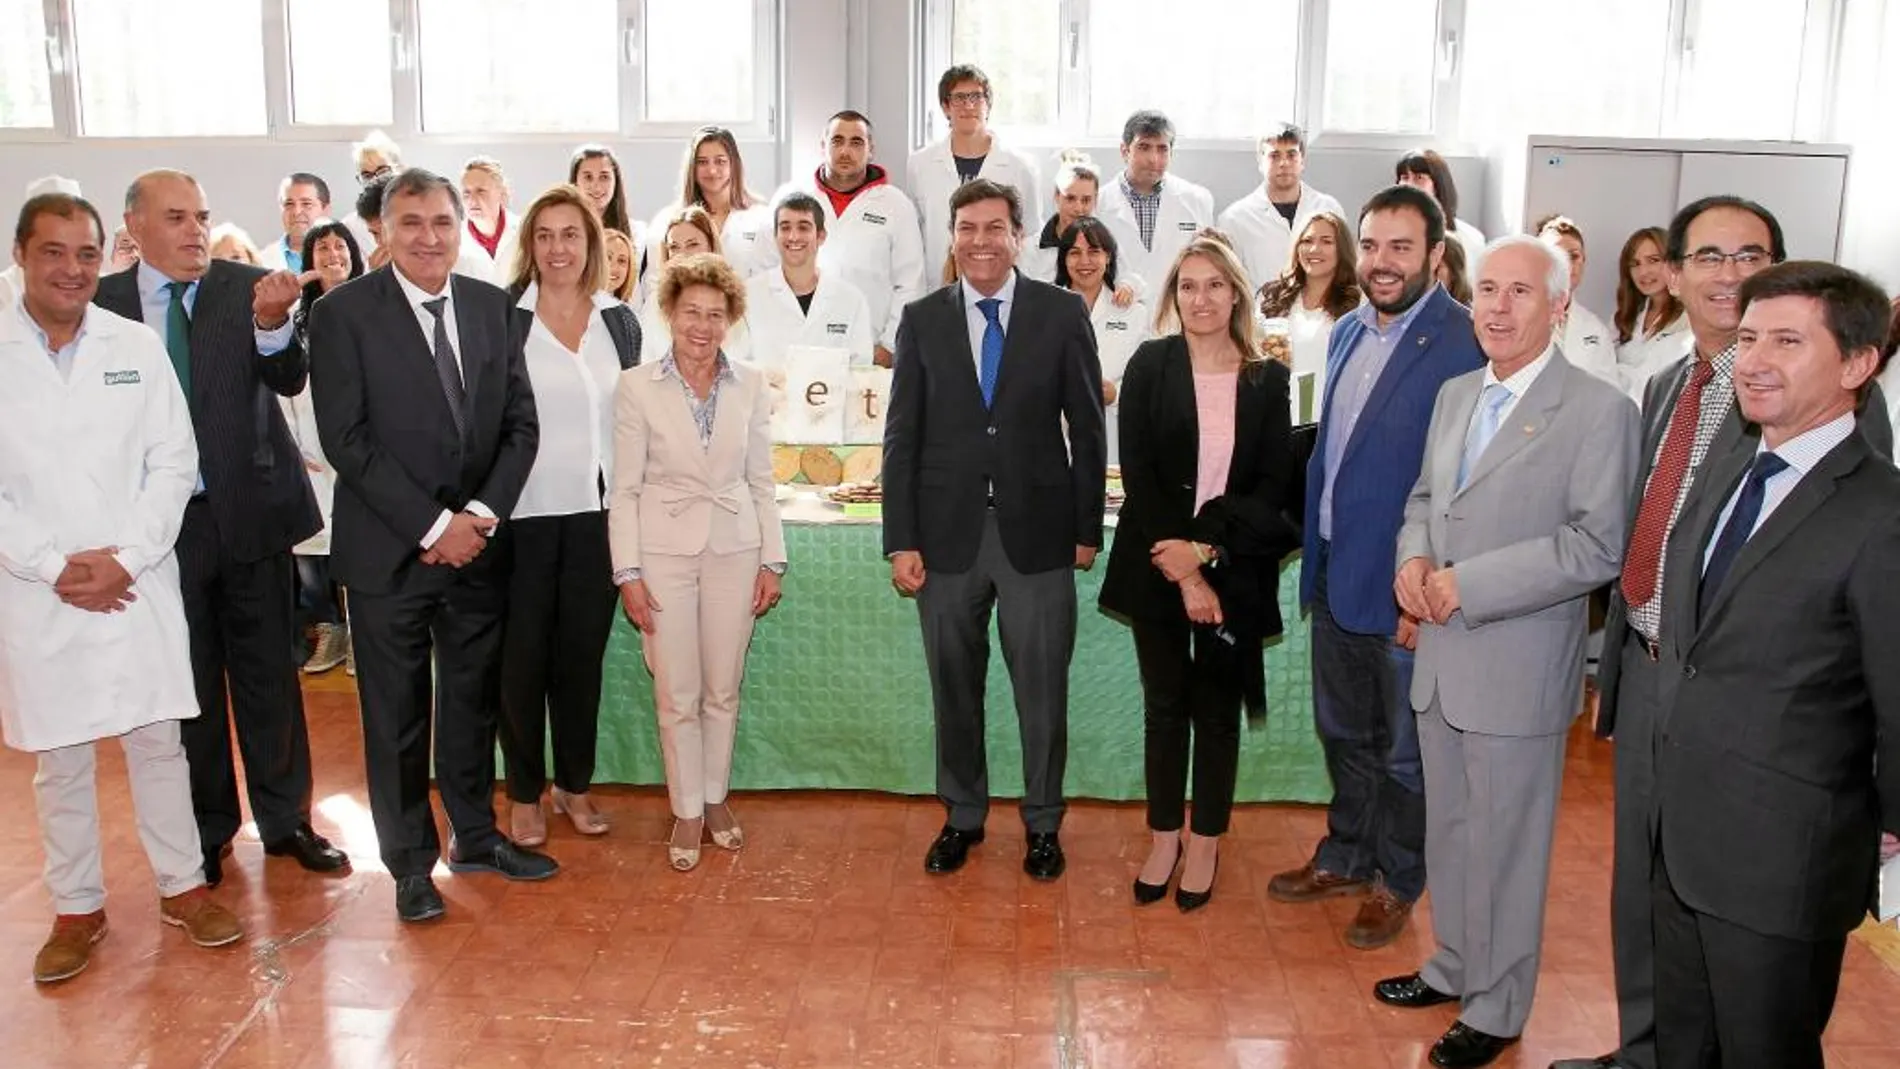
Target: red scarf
486	242
873	176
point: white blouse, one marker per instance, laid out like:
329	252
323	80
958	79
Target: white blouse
574	400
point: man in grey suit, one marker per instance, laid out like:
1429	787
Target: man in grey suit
1520	511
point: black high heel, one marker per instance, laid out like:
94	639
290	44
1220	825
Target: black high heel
1147	894
1189	901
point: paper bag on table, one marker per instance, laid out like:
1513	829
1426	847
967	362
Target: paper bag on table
816	381
869	392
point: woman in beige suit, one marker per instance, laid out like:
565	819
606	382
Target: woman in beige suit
698	551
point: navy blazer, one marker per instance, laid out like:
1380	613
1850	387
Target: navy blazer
1381	462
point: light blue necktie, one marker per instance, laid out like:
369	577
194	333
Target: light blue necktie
1483	429
992	347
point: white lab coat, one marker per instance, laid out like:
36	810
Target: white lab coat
840	318
1263	236
301	415
1185	209
501	266
876	247
1472	239
105	458
10	283
746	241
1645	354
1587	343
1309	332
931	177
1118	331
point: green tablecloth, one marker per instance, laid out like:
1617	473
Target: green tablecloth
836	693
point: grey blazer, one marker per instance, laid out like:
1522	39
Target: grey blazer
1542	522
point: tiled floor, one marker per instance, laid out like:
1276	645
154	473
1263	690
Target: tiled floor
823	944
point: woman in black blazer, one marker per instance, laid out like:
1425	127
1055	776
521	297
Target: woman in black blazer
1208	467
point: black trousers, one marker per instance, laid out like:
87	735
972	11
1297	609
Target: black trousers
561	603
453	618
1632	872
1730	998
242	619
1186	708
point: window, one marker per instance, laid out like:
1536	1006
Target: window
508	66
1741	69
183	68
1226	72
26	87
1018	45
694	76
339	63
1381	65
1535	67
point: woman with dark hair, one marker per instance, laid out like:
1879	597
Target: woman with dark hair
712	177
1427	170
1319	286
1087	262
595	171
332	255
1207	462
1650	321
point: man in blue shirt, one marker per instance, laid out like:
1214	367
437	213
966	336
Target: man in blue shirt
304	199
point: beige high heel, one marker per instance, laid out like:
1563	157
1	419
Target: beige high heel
527	823
731	838
579	809
683	859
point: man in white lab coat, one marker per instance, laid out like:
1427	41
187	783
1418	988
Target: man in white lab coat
1587	341
971	151
304	198
97	460
1152	213
798	303
868	235
1264	224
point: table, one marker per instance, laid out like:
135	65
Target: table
836	694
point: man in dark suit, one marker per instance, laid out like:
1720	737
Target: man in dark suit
425	411
1690	422
1777	751
986	505
1384	366
227	328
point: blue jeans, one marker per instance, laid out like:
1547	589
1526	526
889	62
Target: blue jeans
1362	708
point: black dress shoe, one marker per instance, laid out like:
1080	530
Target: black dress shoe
310	850
951	849
1601	1061
214	864
1410	992
1464	1047
417	899
507	860
1043	861
1189	901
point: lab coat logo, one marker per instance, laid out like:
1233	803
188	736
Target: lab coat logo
837	328
873	218
122	378
1115	324
1187	227
829	402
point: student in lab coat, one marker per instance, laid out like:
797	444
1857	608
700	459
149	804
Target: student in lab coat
97	461
1428	171
1087	263
595	171
869	234
491	229
800	302
1263	224
687	231
1319	287
1152	213
712	178
303	198
1586	341
1078	184
1652	330
971	150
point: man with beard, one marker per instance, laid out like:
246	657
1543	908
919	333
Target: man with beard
1387	361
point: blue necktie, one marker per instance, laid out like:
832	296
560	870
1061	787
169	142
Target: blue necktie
1483	429
1741	524
991	307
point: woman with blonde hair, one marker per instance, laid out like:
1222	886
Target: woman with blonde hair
577	340
1207	464
230	242
622	280
1319	285
712	178
687	231
698	550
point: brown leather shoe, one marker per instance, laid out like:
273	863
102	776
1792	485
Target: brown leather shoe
1381	918
1309	883
207	923
69	948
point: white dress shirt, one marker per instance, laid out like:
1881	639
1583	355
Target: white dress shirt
574	400
1802	452
978	323
425	320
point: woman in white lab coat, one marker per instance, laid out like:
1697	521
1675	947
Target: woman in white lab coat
833	314
1652	330
1319	286
1078	183
712	178
1586	340
1428	171
687	231
1087	262
971	150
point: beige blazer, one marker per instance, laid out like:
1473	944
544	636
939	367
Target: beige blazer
672	497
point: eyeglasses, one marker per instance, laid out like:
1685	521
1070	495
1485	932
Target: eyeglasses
366	177
968	98
1713	259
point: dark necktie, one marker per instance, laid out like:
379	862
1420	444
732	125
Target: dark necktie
1741	524
178	335
446	368
991	308
1643	563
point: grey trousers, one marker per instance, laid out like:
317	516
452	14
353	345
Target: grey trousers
1491	811
1036	621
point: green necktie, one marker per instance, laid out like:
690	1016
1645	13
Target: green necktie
178	336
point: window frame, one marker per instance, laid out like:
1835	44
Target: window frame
406	87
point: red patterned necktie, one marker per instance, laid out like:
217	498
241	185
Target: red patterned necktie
1643	563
